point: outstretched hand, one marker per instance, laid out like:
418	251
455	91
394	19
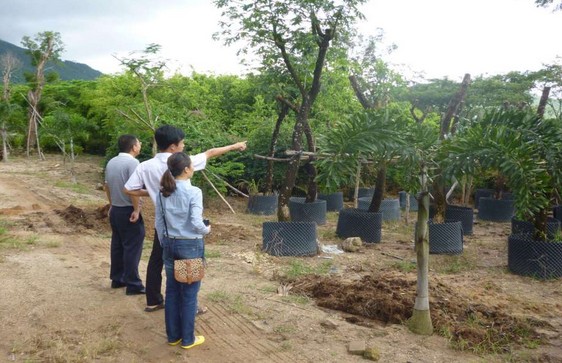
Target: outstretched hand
241	146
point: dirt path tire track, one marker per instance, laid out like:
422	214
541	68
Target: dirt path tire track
63	294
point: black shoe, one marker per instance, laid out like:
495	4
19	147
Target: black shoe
135	292
150	309
117	284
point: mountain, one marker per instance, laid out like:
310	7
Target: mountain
66	70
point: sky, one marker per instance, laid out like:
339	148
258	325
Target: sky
440	38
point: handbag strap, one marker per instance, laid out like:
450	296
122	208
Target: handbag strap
166	225
163	214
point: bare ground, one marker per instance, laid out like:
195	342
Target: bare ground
56	303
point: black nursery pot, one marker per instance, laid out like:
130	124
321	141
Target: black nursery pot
496	210
365	192
445	238
526	227
538	259
482	193
390	208
557	212
463	214
290	238
307	212
334	201
354	222
262	204
413	201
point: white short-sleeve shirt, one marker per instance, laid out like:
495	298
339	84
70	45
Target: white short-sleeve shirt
147	175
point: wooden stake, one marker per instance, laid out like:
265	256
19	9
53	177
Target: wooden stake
219	194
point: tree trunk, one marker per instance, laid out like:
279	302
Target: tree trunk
540	225
420	322
452	112
4	132
293	165
359	93
274	138
380	186
312	186
32	124
543	101
357	182
454	106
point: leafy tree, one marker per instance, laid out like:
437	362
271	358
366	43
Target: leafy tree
511	89
9	64
64	128
43	47
523	147
148	70
373	83
292	37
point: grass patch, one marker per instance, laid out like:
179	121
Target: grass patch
269	289
234	303
298	268
454	264
296	299
218	296
212	254
9	241
285	329
75	187
405	266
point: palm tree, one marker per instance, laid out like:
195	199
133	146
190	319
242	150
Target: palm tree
523	147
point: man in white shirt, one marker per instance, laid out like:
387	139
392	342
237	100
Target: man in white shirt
146	181
127	226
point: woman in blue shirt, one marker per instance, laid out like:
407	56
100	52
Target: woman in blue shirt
180	227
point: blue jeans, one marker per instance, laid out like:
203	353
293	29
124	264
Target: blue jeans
181	299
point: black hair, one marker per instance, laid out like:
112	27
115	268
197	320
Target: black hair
167	135
126	142
177	162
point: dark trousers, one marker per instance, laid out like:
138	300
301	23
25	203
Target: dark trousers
126	247
154	274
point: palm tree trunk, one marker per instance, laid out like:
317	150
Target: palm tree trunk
420	322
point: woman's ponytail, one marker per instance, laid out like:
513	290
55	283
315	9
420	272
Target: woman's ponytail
177	162
167	184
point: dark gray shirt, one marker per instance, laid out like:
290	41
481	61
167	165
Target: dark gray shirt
117	172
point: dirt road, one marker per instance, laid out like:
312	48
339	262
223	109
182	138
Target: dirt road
56	303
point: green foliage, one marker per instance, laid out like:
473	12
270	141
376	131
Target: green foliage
371	134
522	147
298	268
513	88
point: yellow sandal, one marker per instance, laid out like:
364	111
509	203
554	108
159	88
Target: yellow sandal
199	339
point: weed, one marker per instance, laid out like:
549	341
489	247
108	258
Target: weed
296	299
75	187
212	254
455	264
234	303
405	266
218	296
13	242
298	268
269	289
285	346
285	329
328	234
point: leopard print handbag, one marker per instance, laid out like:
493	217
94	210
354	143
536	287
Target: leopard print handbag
189	270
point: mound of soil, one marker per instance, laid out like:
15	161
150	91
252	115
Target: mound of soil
390	298
95	219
